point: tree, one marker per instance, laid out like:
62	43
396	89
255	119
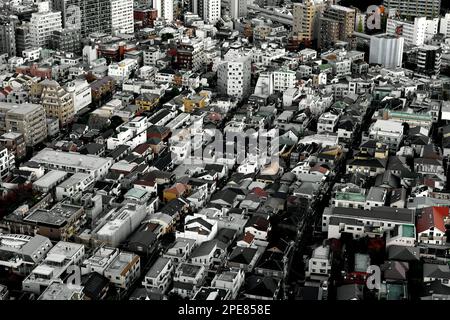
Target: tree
360	25
166	36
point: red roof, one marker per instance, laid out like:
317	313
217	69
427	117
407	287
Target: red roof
432	217
261	193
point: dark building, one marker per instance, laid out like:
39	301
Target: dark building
7	35
67	40
23	39
336	24
145	16
429	60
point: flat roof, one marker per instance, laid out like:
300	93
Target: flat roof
88	162
56	216
51	177
404	216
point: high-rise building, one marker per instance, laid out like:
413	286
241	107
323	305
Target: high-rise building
7	35
68	40
190	55
429	60
211	10
90	16
415	8
336	24
42	25
386	50
444	26
164	8
238	9
413	31
122	20
306	19
23	38
234	73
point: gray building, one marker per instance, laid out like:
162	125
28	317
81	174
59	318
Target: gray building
415	8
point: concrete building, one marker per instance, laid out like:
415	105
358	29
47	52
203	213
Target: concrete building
336	24
211	11
386	50
15	143
190	54
164	8
387	131
54	267
234	74
6	162
7	35
444	25
42	25
76	183
415	8
306	19
121	71
73	162
28	119
122	20
20	253
413	31
80	92
57	102
124	270
67	40
238	9
22	38
429	60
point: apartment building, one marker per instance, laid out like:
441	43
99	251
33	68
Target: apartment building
306	19
42	25
57	102
122	19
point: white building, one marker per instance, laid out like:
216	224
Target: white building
231	280
444	27
159	277
42	25
386	50
211	11
387	131
164	8
413	32
198	228
187	279
122	70
73	162
283	79
124	270
327	122
234	74
76	183
319	265
100	260
122	20
7	162
81	93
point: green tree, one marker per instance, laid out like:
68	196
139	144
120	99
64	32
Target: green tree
360	25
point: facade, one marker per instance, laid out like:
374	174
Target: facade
58	103
7	35
68	40
306	19
95	15
124	270
211	11
28	119
164	9
429	60
122	20
190	55
337	24
6	162
387	51
81	94
238	9
234	74
413	31
415	8
42	25
15	143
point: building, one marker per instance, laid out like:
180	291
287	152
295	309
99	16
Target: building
81	94
67	40
122	18
100	260
57	102
327	122
413	31
6	162
55	267
306	19
124	270
76	183
7	35
15	143
188	279
42	25
336	24
234	74
61	291
122	71
21	253
429	60
211	11
319	265
444	25
238	9
387	50
415	8
159	277
95	16
73	162
190	55
22	38
387	131
231	280
164	8
27	119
